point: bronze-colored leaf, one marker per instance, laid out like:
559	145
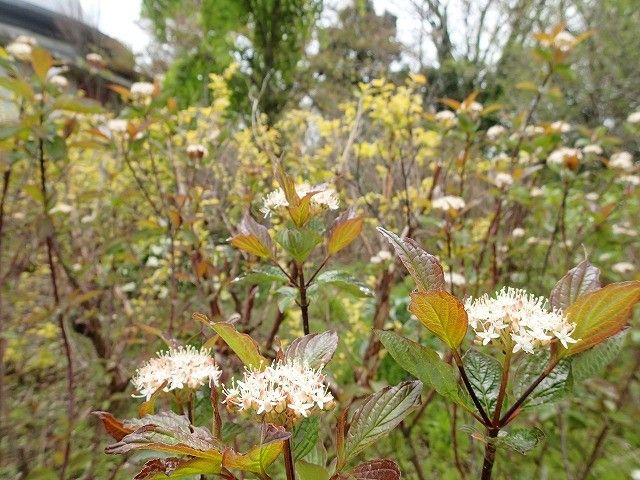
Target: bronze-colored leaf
442	313
344	230
253	238
601	314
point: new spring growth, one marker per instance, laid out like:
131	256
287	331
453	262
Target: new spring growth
283	393
518	320
176	369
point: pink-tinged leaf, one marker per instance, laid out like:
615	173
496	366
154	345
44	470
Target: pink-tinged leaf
344	230
581	279
242	344
442	313
601	314
173	467
377	470
423	267
166	432
260	457
253	238
315	350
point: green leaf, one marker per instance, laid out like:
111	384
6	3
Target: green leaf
70	103
305	437
592	362
242	344
521	440
263	274
260	457
286	297
315	350
379	414
426	365
601	314
309	471
342	281
423	267
442	313
298	242
581	279
484	373
552	388
17	86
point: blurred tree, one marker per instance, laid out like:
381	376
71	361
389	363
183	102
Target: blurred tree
359	47
266	37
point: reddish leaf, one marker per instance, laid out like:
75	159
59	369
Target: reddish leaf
377	470
316	350
114	427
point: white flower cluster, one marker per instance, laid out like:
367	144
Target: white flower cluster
196	151
634	117
565	156
325	197
142	91
21	47
621	161
516	317
448	202
176	369
495	131
282	393
447	118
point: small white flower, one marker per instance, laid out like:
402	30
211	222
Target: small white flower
381	256
324	197
631	180
564	41
59	81
447	118
564	156
95	60
623	267
19	50
448	202
197	151
560	126
621	161
502	179
117	125
176	369
533	130
624	229
592	196
537	192
495	131
62	208
517	319
634	117
518	232
593	148
455	279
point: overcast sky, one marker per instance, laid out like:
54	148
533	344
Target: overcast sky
121	18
